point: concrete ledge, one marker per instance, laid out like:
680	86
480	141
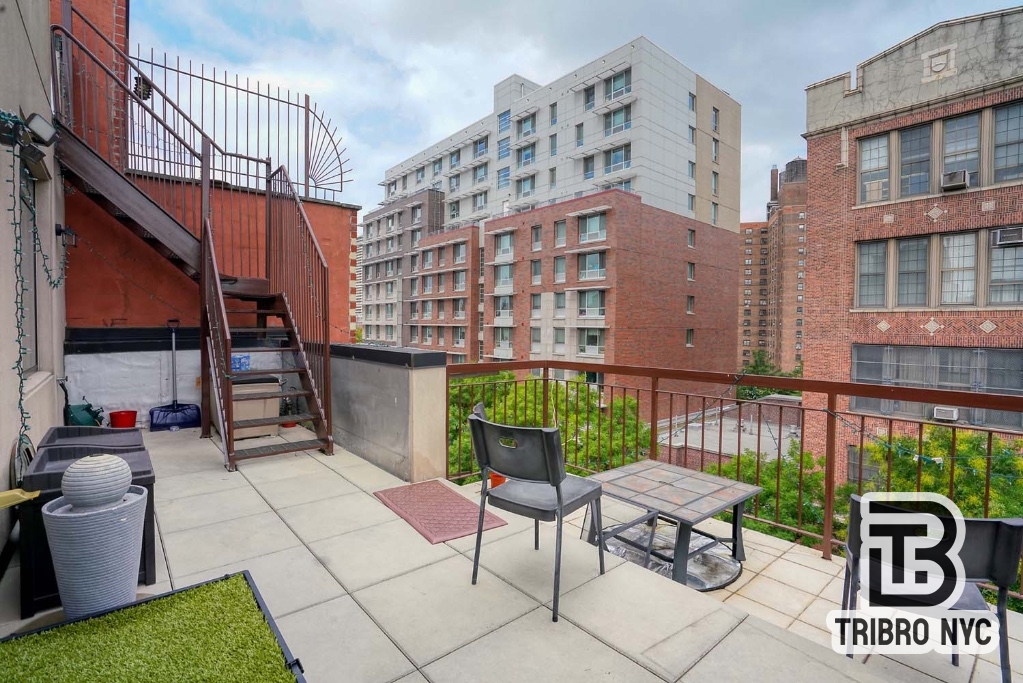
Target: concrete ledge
390	355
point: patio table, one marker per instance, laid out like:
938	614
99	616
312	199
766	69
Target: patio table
686	498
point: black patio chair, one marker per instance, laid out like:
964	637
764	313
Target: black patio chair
537	487
990	554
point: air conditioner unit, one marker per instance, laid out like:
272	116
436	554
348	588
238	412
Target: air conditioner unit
955	180
1007	236
946	413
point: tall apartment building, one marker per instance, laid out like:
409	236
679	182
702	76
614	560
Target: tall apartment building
915	205
773	291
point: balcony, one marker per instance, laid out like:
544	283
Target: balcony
504	319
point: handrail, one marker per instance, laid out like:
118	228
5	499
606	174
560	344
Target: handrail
218	352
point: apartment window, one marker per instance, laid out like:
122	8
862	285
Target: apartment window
618	120
504	244
455	158
479	175
427	334
713	213
592	266
589	97
1006	286
618	159
559	269
962	146
454	182
559	233
591	341
438	166
591	303
535	271
692	135
579	135
480	147
715	147
690	304
874	169
502	337
692	169
503	121
534	306
525	187
416	235
503	275
748	262
872	264
715	118
692	102
414	262
420	174
454	209
536	235
621	185
479	201
588	166
690	337
714	183
413	333
417	214
503	177
527	126
440	331
559	340
915	161
427	284
534	340
1009	143
459	308
552	178
692	202
592	228
526	155
458	252
618	85
503	306
503	148
559	304
912	277
690	271
459	280
458	336
958	268
554	113
427	309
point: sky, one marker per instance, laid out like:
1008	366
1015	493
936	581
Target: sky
396	76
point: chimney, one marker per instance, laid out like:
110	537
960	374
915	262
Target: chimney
774	183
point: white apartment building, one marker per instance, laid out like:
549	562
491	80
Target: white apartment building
635	118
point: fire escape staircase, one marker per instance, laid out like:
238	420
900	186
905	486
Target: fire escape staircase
167	182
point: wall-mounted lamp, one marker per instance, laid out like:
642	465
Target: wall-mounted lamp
24	133
68	236
42	130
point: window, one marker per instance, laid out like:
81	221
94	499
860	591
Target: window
874	169
525	187
503	148
526	126
503	306
454	182
692	202
714	182
690	337
559	304
958	268
417	214
915	161
454	209
592	266
554	113
479	201
427	284
416	236
503	177
715	147
1009	143
553	141
502	337
534	306
692	102
962	146
690	304
459	309
690	271
871	279
618	85
427	309
588	167
592	228
589	97
536	234
479	174
559	233
459	280
535	270
559	340
458	336
534	340
617	159
427	334
503	275
420	174
621	185
526	155
692	135
458	252
591	303
1006	275
912	282
504	244
413	333
618	120
579	135
480	147
692	169
503	121
559	269
440	333
455	158
552	178
591	341
438	166
713	213
715	119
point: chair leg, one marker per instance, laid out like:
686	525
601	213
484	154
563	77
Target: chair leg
557	568
479	534
598	524
536	534
1003	634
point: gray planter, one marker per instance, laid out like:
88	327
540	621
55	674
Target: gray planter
95	535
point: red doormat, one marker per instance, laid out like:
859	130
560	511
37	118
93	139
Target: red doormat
437	512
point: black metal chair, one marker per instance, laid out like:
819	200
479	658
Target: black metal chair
537	487
990	554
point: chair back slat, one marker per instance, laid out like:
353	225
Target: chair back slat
526	453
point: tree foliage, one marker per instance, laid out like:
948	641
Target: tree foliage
761	365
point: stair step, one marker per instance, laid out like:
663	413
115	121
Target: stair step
258	330
280	448
269	395
255	311
266	372
276	420
265	349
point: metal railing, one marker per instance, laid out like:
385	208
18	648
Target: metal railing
216	335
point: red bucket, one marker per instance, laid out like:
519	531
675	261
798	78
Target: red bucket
123	418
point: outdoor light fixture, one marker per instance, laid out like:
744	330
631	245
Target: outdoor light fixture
33	158
42	130
68	236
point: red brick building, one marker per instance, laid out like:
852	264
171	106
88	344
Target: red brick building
915	201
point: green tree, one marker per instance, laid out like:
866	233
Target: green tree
760	364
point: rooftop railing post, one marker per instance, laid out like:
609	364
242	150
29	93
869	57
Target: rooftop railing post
205	173
546	394
653	418
67	110
305	174
829	473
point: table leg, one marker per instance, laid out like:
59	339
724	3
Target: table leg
680	565
738	552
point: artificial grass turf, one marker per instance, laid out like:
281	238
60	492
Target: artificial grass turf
214	632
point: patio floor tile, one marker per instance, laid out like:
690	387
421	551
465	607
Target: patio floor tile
339	642
532	571
833	591
816	614
938	665
756	609
515	524
1015	653
797	575
335	516
171	459
194	550
816	635
200	510
533	648
307	488
277	467
986	672
289	580
776	595
808	557
435	610
370	478
362	558
195	484
414	677
890	670
341	459
656	622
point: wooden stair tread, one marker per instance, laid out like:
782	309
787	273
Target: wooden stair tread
266	372
258	330
275	420
265	349
280	448
270	395
255	311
